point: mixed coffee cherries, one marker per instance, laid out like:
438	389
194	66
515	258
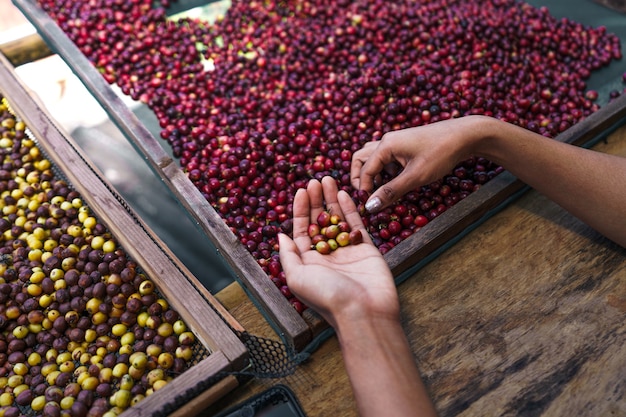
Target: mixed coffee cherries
330	232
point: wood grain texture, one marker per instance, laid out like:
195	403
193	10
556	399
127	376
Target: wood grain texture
524	316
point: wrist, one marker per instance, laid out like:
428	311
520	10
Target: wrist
372	324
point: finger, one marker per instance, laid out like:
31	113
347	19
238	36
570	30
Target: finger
301	220
358	159
380	160
329	188
288	254
315	200
352	215
388	194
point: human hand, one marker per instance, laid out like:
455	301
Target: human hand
353	282
421	155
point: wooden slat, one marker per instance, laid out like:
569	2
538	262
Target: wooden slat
30	48
183	391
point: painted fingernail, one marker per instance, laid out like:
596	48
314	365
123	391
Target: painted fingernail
373	205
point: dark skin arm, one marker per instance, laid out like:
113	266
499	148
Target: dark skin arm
588	184
353	289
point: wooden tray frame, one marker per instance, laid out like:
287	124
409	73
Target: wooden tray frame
298	331
207	318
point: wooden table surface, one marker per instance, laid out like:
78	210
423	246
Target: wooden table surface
524	316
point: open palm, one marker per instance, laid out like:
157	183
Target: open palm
345	281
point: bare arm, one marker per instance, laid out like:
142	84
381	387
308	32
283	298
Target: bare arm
588	184
353	289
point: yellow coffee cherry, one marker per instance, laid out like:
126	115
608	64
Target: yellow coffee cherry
99	318
102	351
37	276
127	338
46	323
137	399
165	329
90	222
179	327
138	360
67	366
184	352
67	402
34	290
92	306
90	335
164	304
6	399
97	360
121	398
35	327
38	403
51	356
20	369
142	318
40	233
51	379
75	230
159	384
97	242
49	245
109	246
85	358
119	370
20	332
34	359
155	375
20	388
90	383
119	329
165	360
56	274
45	256
43	165
105	375
126	383
68	263
63	357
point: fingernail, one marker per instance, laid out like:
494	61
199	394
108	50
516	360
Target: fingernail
373	205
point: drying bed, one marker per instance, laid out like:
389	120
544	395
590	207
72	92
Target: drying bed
97	315
254	105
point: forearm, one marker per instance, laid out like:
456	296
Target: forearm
588	184
382	369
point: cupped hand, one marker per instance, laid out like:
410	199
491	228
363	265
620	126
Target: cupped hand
421	155
351	282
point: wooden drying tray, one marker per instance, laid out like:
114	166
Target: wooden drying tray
207	318
298	331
